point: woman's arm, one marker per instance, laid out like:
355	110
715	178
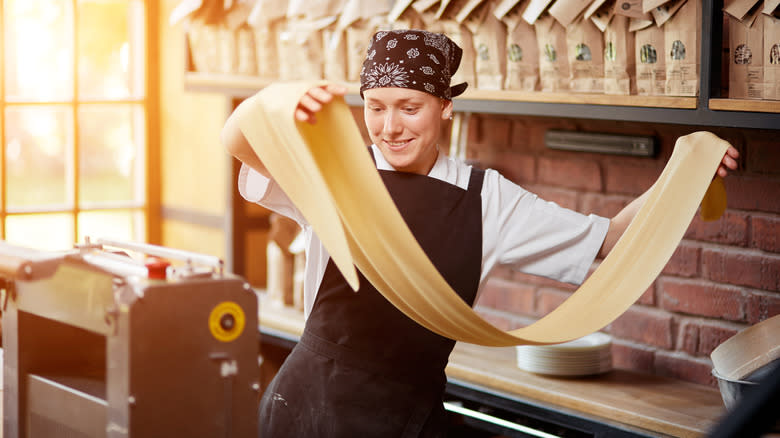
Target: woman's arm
619	223
235	143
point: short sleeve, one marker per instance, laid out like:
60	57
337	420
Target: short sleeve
256	187
535	236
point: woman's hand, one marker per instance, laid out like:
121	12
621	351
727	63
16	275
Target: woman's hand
729	162
314	99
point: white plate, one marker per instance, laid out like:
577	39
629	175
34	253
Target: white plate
588	355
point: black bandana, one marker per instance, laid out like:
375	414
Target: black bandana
415	59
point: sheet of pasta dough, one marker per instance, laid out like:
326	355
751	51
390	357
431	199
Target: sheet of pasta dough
326	171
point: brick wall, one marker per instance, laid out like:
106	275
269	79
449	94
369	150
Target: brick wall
724	276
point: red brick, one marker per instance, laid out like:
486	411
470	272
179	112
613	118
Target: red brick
760	193
712	335
646	325
763	155
762	305
549	299
499	321
507	296
683	367
765	232
563	197
688	337
630	178
542	281
648	297
696	297
527	136
630	356
520	168
742	267
730	229
684	261
494	131
570	173
502	271
602	205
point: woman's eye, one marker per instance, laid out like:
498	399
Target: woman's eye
410	110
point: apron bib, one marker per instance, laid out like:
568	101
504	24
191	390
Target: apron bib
362	368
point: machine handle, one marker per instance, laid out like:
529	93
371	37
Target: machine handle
170	253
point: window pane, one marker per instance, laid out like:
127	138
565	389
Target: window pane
38	42
39	151
109	49
111	158
124	225
41	231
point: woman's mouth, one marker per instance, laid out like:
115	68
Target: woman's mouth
397	145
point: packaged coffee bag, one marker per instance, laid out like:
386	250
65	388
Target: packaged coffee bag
682	40
619	61
489	34
650	61
771	56
447	23
553	58
746	60
522	53
585	47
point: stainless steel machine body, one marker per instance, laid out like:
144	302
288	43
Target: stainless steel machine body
94	347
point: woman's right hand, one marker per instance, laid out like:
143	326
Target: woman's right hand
315	99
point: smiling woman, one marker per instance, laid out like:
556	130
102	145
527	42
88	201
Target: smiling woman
73	114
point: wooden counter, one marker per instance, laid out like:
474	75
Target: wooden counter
653	405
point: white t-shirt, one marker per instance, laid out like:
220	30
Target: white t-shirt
534	236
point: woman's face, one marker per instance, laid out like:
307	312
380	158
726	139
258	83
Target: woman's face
405	125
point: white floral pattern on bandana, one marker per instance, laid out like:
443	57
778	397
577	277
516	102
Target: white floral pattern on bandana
388	74
412	53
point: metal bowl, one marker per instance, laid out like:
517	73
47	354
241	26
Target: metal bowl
733	390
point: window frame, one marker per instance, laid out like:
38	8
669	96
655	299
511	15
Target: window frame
149	207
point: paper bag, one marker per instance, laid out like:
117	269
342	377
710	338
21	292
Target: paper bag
301	43
522	53
553	59
334	42
771	57
650	61
489	34
746	60
585	46
682	40
461	35
663	13
619	60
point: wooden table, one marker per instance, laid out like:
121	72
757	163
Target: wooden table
635	403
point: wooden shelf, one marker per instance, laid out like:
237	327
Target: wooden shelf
581	98
244	86
763	106
649	109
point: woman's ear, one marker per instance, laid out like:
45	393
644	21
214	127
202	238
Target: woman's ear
446	109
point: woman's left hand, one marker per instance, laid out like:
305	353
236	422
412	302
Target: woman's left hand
729	162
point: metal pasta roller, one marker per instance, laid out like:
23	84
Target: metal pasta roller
100	344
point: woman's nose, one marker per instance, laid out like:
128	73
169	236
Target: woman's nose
392	123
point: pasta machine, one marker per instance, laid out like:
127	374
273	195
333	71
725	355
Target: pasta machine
98	343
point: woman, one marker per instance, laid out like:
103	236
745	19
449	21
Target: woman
362	368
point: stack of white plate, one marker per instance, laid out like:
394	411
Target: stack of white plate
591	354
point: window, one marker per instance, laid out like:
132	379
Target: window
73	121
